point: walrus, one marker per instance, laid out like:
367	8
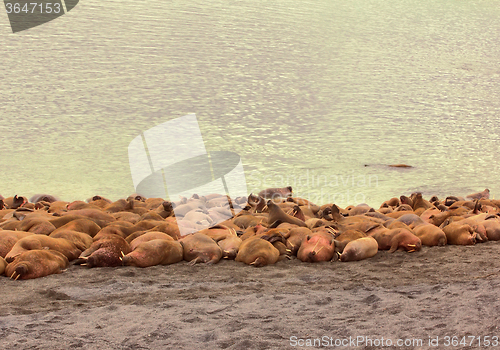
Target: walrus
37	225
317	247
105	252
149	236
230	246
400	166
276	214
430	235
460	234
81	240
14	202
200	248
43	198
92	214
420	202
479	195
359	249
398	238
492	229
154	252
276	193
257	252
165	209
346	237
33	242
86	226
8	238
245	221
36	263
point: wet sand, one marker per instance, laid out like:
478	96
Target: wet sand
437	292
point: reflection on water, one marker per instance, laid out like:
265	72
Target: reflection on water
300	90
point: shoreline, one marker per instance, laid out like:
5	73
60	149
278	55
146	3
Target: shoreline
231	305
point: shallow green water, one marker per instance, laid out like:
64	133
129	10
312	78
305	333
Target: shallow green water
306	93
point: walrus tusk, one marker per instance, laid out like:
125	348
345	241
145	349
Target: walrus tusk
122	253
319	249
13	273
411	245
84	264
313	251
411	251
17	277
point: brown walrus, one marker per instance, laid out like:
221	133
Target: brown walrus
319	246
36	263
276	214
81	240
257	252
295	237
430	235
200	248
346	237
105	252
8	238
397	238
86	226
459	233
154	252
38	242
230	246
359	249
480	195
149	236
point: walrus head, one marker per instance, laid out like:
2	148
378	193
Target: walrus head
20	271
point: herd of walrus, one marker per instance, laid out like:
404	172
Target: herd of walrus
44	235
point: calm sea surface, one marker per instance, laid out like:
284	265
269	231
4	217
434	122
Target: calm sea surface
306	92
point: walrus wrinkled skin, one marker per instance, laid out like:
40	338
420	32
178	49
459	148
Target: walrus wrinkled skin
257	252
200	248
8	239
38	242
149	236
460	234
105	252
430	235
154	252
36	263
230	246
398	238
359	249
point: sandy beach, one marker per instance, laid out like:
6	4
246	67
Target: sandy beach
448	291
